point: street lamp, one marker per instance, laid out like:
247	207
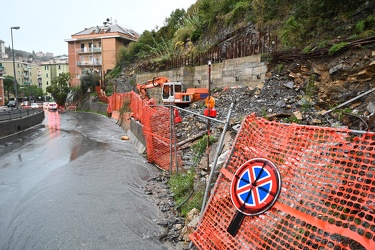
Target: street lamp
14	66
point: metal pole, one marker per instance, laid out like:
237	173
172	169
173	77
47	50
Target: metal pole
347	102
216	157
14	66
170	140
174	140
209	113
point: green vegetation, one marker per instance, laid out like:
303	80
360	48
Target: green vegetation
336	47
59	88
341	112
199	148
181	185
32	91
89	79
291	119
365	28
298	24
310	89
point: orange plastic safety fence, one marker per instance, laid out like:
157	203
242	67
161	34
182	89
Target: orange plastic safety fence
116	101
136	105
327	191
157	131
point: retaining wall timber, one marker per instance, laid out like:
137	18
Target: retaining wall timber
17	125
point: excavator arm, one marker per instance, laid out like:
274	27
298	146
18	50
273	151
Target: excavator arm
154	83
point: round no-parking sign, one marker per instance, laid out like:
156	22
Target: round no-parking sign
255	186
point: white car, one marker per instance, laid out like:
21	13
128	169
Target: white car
52	106
34	105
45	105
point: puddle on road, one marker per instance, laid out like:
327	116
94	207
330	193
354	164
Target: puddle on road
82	144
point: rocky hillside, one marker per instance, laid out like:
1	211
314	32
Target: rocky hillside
332	91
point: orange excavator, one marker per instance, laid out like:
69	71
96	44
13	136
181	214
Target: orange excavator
172	92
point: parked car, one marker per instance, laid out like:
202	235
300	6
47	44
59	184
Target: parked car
34	105
11	103
45	105
25	104
52	106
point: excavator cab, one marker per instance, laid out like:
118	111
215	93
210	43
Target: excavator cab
169	91
172	92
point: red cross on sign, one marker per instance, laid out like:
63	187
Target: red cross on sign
255	186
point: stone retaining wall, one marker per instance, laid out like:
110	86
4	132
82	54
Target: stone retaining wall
244	71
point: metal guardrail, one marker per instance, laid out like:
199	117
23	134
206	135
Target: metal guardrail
16	113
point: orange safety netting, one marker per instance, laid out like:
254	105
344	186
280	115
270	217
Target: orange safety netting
159	143
156	127
116	101
326	198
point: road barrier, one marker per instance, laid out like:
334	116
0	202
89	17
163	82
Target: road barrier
292	187
16	120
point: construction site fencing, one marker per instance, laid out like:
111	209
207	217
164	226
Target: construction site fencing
315	191
156	123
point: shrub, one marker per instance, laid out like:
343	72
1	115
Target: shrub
336	47
200	147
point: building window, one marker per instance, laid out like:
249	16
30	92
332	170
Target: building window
59	66
47	75
47	83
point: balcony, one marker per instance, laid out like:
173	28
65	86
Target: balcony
89	63
89	50
2	70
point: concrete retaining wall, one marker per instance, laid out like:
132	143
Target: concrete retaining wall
246	71
98	107
17	125
133	129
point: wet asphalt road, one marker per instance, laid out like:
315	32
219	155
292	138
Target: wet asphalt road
72	183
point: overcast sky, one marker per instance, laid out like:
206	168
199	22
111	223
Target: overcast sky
45	24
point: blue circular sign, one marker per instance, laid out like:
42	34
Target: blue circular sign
255	186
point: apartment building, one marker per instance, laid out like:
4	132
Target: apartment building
40	74
48	70
2	50
95	48
25	71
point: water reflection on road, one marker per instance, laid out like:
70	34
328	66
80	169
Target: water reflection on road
53	122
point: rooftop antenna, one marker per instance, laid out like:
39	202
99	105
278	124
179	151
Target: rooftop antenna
107	21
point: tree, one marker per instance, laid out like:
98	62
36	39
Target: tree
8	85
33	92
59	88
89	79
